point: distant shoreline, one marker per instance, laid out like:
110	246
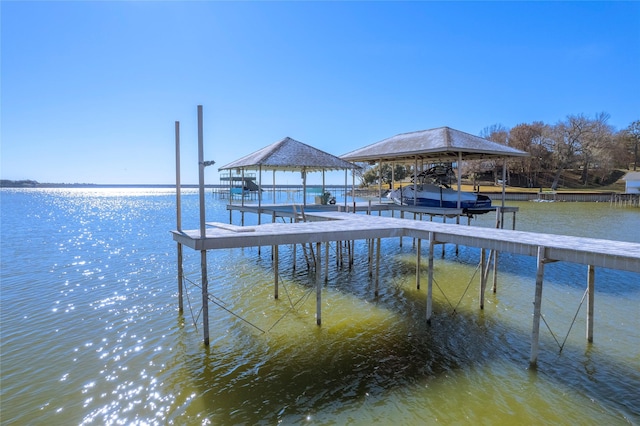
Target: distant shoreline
5	183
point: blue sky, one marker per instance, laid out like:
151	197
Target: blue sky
90	91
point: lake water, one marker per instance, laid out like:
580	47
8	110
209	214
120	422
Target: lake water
91	332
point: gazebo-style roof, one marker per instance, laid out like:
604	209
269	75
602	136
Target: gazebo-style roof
440	144
290	155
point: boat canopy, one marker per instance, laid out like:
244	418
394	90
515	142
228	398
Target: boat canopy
290	155
441	144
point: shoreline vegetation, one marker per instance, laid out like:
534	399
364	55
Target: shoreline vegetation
483	186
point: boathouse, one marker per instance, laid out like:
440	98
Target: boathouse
442	144
289	155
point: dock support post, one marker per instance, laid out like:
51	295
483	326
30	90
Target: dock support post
418	263
401	217
377	267
483	277
326	261
537	307
180	280
318	286
590	301
294	252
370	255
499	225
494	286
205	297
444	220
430	278
276	259
457	223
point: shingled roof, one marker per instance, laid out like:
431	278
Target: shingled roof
441	144
290	155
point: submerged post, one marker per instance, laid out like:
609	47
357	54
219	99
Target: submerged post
430	278
419	249
537	307
179	220
483	277
377	284
203	253
276	261
318	286
326	261
205	297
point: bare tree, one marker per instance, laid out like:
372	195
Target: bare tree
567	137
531	138
496	133
594	144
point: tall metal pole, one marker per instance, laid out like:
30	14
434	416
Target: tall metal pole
380	180
259	194
346	187
201	171
203	253
323	184
353	190
415	182
179	219
304	187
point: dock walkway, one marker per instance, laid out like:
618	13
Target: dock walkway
327	226
338	226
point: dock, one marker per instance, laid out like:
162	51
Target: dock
315	225
330	226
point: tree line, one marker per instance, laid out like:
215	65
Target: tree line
580	143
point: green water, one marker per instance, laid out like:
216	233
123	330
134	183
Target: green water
91	332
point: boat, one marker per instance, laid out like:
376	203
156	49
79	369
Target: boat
434	191
431	195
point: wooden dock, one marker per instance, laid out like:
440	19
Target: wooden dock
329	226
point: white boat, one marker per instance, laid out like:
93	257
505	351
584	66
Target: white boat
431	195
434	190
